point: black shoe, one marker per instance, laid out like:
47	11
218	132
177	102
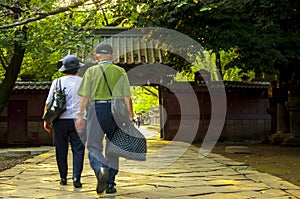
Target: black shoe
77	183
63	181
102	179
111	188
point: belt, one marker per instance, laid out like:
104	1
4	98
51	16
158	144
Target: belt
102	101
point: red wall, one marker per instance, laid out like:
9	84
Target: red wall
34	133
246	116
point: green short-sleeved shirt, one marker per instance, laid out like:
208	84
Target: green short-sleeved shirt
95	87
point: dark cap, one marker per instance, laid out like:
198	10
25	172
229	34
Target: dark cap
104	49
70	62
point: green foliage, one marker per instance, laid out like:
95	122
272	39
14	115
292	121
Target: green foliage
144	98
205	62
230	72
50	39
57	75
184	76
236	74
57	41
264	33
2	73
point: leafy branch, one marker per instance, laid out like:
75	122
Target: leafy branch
150	92
40	15
14	9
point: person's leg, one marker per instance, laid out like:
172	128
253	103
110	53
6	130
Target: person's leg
113	164
94	141
95	137
109	126
61	148
78	153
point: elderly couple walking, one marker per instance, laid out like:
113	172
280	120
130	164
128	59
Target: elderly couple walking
88	117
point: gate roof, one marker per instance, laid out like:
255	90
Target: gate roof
130	47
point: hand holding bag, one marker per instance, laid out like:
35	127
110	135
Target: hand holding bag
57	104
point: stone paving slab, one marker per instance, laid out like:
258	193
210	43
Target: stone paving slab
186	176
24	151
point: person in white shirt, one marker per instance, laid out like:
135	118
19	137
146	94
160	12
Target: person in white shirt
64	127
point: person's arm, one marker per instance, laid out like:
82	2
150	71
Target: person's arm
128	103
80	121
126	94
47	126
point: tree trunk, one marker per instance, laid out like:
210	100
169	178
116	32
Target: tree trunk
12	71
218	65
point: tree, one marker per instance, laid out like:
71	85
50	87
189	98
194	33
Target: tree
144	98
35	34
265	33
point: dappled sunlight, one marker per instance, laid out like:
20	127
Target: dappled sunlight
46	155
226	182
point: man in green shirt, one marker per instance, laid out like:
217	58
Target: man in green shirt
96	98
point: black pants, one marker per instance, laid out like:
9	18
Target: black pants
64	131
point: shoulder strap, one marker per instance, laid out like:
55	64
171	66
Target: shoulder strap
58	84
106	80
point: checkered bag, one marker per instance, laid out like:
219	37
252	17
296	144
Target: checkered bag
128	142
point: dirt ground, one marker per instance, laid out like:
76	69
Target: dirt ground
280	161
9	162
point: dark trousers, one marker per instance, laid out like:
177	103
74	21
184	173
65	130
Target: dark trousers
64	131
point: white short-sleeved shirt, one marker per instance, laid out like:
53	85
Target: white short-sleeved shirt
71	84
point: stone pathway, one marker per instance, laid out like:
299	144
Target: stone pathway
170	171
